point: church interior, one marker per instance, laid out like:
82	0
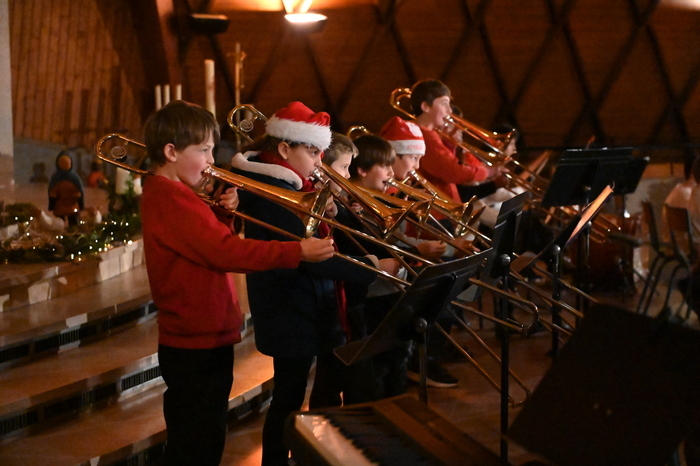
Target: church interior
557	352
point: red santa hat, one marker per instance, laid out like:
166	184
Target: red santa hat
404	136
298	123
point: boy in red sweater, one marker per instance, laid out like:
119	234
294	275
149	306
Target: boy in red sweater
430	102
189	248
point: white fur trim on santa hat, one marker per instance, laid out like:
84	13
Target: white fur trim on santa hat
409	147
299	131
241	162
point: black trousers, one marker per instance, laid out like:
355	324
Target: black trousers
333	378
195	404
290	379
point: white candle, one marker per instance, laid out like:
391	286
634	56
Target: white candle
120	186
178	91
209	88
166	94
159	102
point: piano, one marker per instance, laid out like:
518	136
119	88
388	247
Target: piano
399	431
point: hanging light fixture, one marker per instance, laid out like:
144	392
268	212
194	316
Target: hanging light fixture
298	12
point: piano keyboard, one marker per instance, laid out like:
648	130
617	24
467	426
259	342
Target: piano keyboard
395	432
332	445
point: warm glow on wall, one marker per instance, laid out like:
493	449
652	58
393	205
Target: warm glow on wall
689	4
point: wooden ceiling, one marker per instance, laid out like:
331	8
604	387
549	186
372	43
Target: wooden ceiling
624	71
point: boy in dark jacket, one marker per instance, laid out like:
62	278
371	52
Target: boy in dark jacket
295	312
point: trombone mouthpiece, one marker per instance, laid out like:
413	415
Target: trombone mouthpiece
318	175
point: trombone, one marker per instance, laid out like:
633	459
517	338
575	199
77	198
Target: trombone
416	211
119	150
460	214
131	155
489	147
486	145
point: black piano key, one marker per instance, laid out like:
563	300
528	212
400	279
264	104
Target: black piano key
379	440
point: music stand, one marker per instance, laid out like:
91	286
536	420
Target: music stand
431	291
553	250
581	175
497	269
503	242
623	391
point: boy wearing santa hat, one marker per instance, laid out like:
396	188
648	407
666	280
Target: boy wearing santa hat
295	312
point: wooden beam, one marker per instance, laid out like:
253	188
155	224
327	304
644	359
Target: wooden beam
155	20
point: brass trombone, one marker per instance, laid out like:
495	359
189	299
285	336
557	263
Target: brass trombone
460	214
387	218
117	149
131	155
489	147
485	145
246	121
355	132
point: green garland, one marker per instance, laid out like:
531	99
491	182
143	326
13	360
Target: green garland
31	245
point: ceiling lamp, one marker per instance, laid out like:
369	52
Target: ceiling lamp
298	12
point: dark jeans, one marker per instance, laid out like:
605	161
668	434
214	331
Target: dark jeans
195	405
437	342
290	379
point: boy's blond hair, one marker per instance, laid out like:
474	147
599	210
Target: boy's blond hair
340	144
181	124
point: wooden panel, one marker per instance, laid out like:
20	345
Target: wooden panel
636	99
600	29
430	43
553	98
80	68
62	60
678	33
473	85
517	31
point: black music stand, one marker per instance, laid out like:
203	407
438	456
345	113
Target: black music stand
431	291
580	176
553	252
497	270
502	243
623	392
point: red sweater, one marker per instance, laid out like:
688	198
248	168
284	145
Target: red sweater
188	253
441	167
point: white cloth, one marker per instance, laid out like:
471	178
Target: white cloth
680	194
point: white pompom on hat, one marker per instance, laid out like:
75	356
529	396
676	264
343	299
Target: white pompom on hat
298	123
405	136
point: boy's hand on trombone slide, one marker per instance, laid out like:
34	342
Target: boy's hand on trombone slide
316	250
229	199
